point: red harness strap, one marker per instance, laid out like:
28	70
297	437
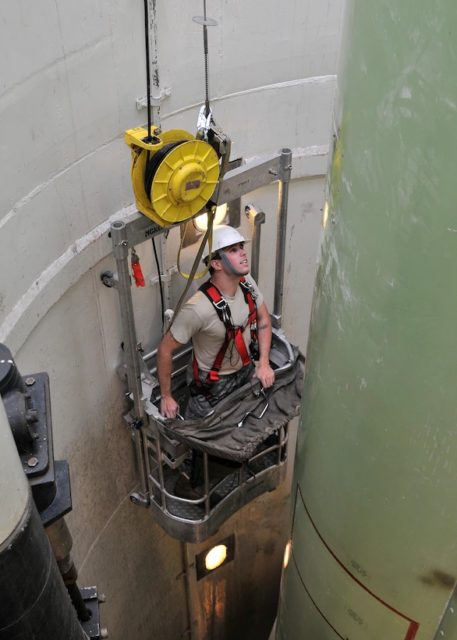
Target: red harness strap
252	319
231	332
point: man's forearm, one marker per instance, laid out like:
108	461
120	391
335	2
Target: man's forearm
164	367
264	337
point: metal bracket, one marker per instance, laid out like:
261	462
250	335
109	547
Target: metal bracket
276	320
249	177
156	101
448	623
92	627
258	217
164	277
139	499
109	279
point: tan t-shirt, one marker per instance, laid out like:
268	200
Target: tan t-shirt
199	321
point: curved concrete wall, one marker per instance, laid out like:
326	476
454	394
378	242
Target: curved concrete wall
70	74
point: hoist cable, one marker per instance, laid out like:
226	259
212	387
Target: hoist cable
207	238
148	67
205	51
153	163
159	275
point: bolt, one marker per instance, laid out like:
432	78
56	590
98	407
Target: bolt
32	462
103	632
31	415
101	597
30	381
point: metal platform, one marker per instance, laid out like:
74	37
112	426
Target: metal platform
194	520
225	486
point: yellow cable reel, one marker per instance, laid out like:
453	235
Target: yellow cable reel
173	174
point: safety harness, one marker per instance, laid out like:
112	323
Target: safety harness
232	333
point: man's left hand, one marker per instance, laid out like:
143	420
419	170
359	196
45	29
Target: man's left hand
265	375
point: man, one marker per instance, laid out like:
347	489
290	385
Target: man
224	320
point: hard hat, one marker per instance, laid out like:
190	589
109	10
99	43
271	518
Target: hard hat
223	236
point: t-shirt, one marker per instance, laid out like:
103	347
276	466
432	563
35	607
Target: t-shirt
199	321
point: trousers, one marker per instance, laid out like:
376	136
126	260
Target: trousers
204	397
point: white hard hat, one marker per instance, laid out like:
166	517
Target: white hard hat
223	236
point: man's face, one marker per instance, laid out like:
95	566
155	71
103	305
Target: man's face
237	257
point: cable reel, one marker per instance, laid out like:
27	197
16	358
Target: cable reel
173	173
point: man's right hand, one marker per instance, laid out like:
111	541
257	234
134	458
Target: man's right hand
169	407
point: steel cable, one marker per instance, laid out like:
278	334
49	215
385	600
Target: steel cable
148	66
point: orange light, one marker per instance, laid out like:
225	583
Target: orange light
215	557
287	554
201	221
325	215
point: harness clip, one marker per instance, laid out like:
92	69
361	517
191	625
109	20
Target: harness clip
221	304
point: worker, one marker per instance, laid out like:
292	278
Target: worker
230	328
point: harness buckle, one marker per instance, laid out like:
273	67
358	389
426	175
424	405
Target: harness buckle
221	304
247	286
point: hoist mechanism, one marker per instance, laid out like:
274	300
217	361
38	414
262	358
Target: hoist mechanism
173	173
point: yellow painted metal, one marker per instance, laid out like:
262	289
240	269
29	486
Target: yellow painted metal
185	178
184	181
137	137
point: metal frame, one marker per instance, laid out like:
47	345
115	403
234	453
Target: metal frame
257	219
136	229
245	487
195	520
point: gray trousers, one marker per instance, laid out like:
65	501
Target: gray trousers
203	399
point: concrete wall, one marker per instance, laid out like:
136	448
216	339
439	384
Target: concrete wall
70	74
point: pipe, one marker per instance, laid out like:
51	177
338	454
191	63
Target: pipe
154	61
61	543
285	167
34	601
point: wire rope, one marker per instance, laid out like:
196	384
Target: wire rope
148	67
205	52
159	274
